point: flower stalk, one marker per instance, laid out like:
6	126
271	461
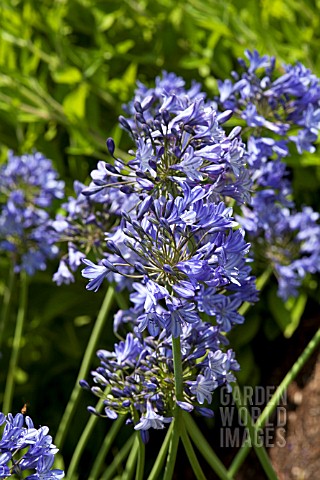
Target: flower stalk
14	358
85	365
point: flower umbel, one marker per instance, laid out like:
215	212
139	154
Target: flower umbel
24	449
28	187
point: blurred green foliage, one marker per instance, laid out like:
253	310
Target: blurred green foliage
66	68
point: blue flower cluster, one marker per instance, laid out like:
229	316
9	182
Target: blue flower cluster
28	187
278	110
139	374
83	225
179	140
180	251
26	452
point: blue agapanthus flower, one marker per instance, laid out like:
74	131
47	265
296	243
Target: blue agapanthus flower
179	139
184	247
25	451
80	231
279	109
178	246
140	375
28	187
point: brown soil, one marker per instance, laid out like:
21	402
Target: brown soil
299	459
295	439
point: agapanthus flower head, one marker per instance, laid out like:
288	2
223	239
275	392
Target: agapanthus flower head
82	228
26	450
278	107
183	248
28	187
137	379
282	102
178	139
150	100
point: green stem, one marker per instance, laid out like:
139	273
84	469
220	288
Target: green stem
104	450
191	454
75	459
84	368
291	375
173	447
253	433
239	458
132	460
174	442
260	283
118	459
177	364
158	464
141	458
84	440
7	297
8	394
204	448
293	372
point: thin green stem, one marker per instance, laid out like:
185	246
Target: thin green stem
260	283
173	447
191	454
75	459
174	441
7	297
204	448
8	394
118	459
84	368
239	458
253	434
293	372
104	449
132	461
141	458
158	464
177	363
291	375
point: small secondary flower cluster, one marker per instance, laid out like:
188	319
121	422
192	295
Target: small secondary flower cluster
277	110
82	228
28	187
181	253
26	452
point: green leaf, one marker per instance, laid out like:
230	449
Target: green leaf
249	372
125	46
287	314
74	104
296	308
243	334
67	74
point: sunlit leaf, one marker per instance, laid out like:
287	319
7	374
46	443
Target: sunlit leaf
67	74
74	104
